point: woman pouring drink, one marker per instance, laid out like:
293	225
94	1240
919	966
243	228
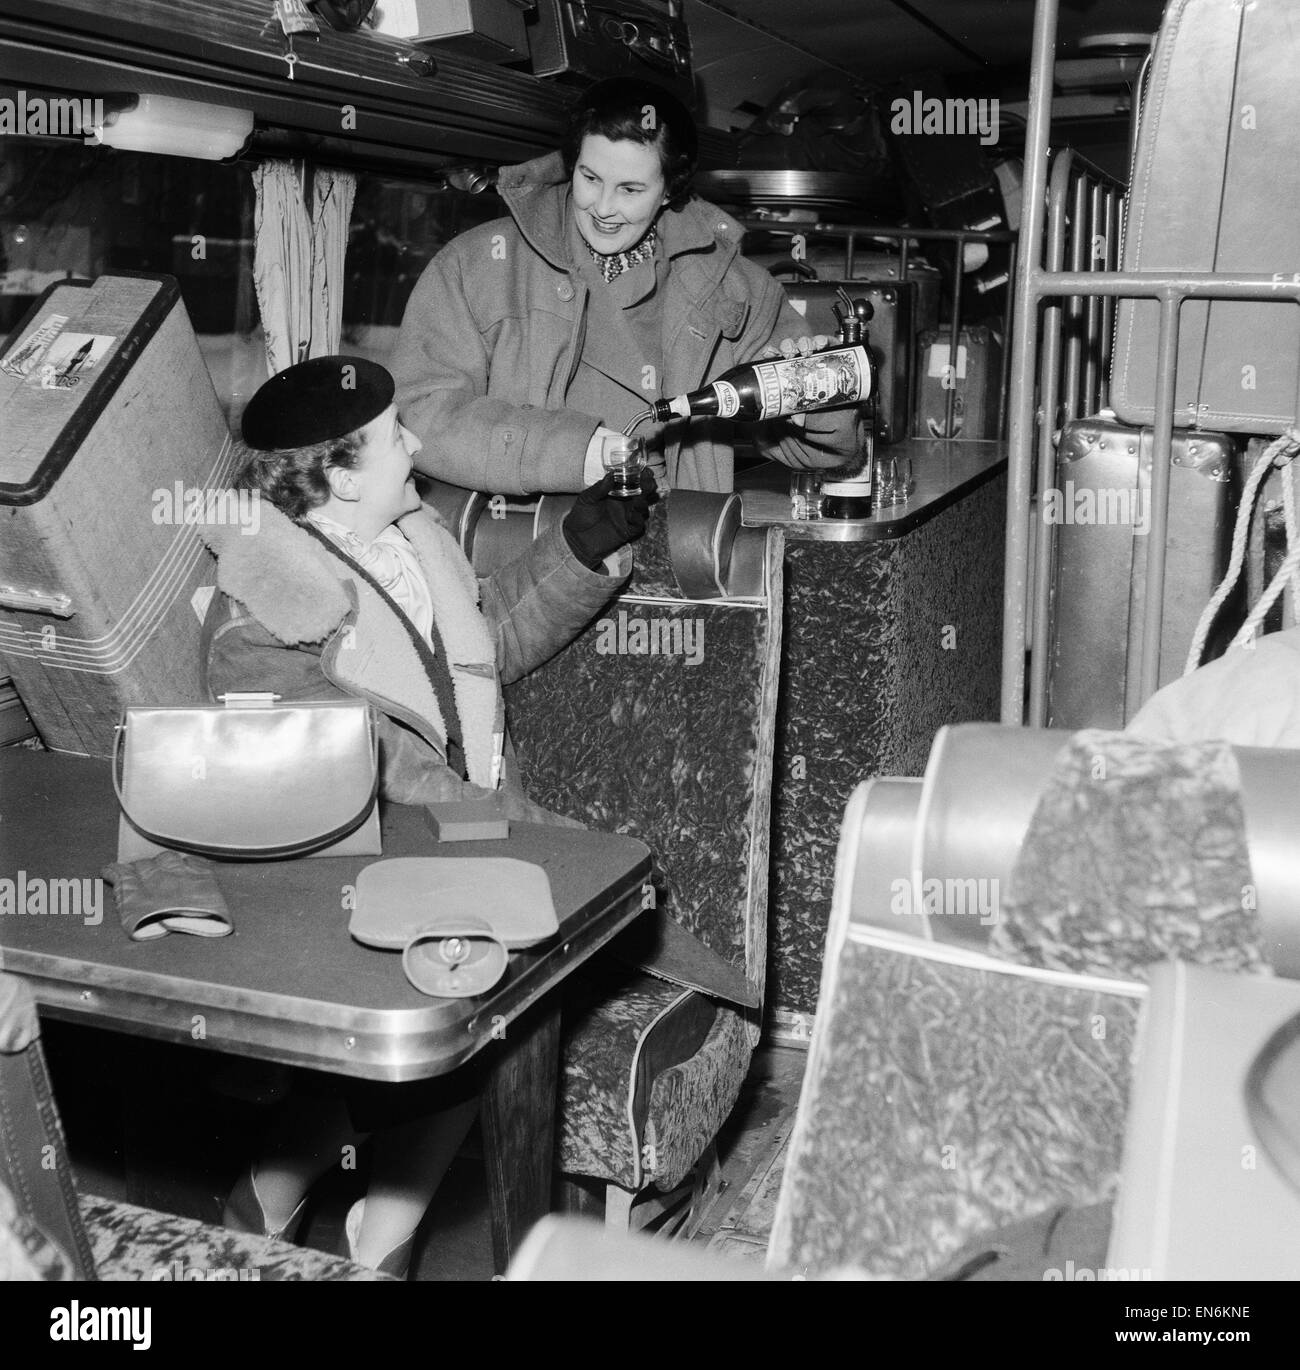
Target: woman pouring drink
530	342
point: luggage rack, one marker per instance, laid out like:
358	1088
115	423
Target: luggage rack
855	236
1091	285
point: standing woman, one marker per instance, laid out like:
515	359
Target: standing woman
531	340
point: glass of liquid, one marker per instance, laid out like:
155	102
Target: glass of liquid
805	495
894	483
624	459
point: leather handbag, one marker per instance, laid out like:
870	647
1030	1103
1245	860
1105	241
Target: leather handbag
249	779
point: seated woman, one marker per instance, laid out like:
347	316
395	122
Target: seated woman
346	585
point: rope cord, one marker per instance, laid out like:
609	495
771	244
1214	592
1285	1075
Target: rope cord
1289	510
1280	452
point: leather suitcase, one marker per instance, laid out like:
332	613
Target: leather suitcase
1101	565
111	437
643	38
891	331
490	30
976	377
1215	181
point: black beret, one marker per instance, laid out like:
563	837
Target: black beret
316	401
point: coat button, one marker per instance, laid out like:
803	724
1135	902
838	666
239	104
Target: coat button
564	290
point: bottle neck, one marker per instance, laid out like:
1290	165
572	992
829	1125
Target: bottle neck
701	402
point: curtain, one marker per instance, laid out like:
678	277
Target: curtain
299	251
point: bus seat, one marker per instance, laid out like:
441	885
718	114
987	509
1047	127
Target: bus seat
49	1231
659	721
970	1060
580	1250
1208	1187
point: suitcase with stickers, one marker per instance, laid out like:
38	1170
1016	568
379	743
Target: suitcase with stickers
111	440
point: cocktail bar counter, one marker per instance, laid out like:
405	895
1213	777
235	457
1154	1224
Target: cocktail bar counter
892	628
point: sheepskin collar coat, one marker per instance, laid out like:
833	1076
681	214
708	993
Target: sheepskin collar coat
298	617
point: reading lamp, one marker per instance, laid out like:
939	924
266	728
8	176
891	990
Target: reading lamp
180	128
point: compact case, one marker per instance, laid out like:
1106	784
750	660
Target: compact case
112	441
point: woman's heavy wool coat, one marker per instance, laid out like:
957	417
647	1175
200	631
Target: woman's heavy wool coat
496	326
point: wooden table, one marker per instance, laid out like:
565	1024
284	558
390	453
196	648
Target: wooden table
290	985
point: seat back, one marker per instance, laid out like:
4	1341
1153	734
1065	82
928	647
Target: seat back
970	1059
34	1164
659	720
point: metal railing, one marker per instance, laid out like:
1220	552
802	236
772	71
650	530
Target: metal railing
854	236
1081	380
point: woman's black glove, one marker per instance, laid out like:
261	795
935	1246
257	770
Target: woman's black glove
599	523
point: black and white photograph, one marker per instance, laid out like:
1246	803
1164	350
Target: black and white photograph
649	642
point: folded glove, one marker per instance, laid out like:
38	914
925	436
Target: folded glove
173	892
600	523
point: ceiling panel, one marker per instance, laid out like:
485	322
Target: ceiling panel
878	41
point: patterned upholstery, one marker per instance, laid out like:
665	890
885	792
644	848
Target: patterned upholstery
26	1250
131	1243
101	1238
950	1092
674	747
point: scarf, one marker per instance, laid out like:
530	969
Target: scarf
615	264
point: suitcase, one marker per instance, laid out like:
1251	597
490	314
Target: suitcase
643	38
490	30
976	377
111	435
890	331
1214	185
1100	580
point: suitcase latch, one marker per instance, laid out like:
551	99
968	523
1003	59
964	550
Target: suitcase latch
36	601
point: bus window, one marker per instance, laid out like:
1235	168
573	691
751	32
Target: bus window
71	210
397	228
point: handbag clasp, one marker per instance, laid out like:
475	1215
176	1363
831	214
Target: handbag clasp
250	699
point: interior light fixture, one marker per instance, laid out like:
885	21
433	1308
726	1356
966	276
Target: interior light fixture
177	128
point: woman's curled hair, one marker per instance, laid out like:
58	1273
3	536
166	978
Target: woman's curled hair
626	107
293	478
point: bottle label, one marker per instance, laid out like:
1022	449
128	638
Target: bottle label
728	400
849	489
821	381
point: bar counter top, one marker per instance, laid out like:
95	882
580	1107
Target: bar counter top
944	472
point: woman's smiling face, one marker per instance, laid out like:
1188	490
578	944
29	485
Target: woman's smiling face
618	191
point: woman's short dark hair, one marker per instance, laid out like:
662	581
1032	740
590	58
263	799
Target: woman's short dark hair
293	478
629	108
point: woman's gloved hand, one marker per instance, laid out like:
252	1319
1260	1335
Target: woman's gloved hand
600	523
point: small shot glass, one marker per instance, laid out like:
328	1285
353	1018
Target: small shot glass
624	459
805	495
894	483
